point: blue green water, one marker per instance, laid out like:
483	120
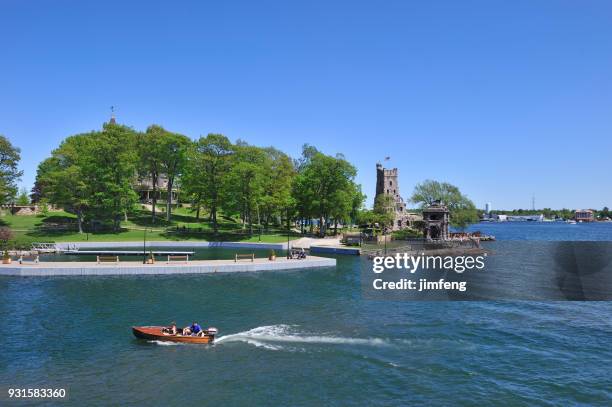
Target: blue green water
546	231
298	338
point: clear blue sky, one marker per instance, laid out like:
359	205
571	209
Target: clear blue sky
505	99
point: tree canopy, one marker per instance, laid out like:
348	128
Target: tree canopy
462	210
9	171
96	175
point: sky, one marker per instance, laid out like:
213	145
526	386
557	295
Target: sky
506	100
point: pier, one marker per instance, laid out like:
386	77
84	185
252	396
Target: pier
128	253
161	267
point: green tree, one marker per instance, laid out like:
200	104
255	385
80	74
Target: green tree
151	154
40	187
462	210
278	175
325	182
60	180
384	210
109	171
9	172
92	175
244	184
23	199
174	149
207	166
193	182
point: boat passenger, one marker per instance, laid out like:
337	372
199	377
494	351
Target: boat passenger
196	329
170	329
187	331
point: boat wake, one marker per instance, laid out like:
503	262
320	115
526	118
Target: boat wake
166	343
273	337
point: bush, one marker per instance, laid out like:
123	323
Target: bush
407	233
21	243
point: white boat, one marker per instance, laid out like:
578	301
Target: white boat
571	222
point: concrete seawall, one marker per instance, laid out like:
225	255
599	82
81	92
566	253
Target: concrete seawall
355	251
161	267
183	243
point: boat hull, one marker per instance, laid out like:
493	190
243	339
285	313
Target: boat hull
154	333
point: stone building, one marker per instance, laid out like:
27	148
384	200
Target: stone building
436	219
387	183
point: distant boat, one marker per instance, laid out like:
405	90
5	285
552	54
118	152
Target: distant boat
571	222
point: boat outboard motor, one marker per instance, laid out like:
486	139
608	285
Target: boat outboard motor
212	331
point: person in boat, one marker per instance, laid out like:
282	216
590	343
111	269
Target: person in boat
196	329
171	329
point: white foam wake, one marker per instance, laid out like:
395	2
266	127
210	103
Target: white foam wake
273	336
165	343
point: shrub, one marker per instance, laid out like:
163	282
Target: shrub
21	243
6	234
406	233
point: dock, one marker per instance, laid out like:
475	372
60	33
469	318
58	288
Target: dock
127	253
52	268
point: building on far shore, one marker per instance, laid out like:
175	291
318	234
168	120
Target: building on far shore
387	183
584	215
144	188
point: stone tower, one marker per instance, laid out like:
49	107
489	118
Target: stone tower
387	184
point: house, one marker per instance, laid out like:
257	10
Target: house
584	215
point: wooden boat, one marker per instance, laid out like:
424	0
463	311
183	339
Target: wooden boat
155	333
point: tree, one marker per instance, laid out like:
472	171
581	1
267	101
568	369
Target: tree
322	184
60	179
193	183
23	199
462	209
151	153
244	184
40	187
92	174
278	175
208	163
9	172
384	210
109	170
173	150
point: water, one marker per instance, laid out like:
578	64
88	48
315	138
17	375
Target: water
298	338
546	231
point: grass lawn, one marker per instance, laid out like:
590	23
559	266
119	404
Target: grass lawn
61	227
